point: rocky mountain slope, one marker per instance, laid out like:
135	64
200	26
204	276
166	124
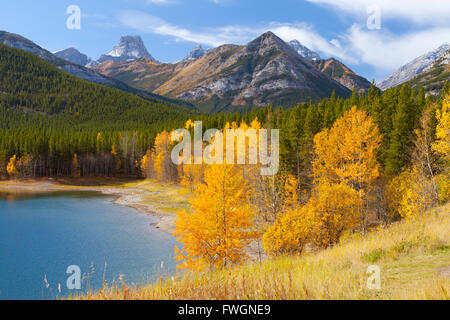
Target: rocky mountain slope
339	72
414	68
265	71
129	48
434	76
74	56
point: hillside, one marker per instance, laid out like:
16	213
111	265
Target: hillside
413	255
34	90
265	71
433	77
339	72
415	68
19	42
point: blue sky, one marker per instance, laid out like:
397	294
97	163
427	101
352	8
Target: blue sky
171	28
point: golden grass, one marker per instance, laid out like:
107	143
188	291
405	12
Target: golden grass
409	253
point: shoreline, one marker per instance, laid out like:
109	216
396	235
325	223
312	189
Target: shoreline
146	196
129	197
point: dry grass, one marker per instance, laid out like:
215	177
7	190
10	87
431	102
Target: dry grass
409	253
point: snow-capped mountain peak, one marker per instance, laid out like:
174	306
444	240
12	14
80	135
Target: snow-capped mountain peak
304	51
129	48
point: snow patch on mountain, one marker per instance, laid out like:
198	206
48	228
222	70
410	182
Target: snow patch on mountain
304	51
414	68
129	48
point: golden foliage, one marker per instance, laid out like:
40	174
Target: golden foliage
11	168
291	190
164	169
333	209
347	152
289	234
216	231
442	144
409	193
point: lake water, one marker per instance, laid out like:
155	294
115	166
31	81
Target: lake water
42	235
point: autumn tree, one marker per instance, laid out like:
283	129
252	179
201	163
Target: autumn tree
441	148
147	165
289	234
11	168
218	228
165	169
191	175
410	193
347	154
291	191
332	209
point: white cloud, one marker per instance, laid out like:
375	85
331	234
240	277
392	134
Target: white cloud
418	11
311	39
234	34
387	51
146	23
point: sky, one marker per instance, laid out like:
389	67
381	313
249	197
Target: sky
372	37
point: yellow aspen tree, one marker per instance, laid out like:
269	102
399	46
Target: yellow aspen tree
346	153
147	164
291	191
165	170
442	144
409	194
191	175
441	147
11	168
332	209
289	234
216	230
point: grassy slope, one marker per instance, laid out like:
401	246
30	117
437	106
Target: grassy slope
409	253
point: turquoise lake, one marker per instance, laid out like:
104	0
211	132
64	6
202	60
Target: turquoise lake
42	235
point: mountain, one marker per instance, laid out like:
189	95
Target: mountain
195	54
434	76
304	51
129	48
19	42
265	71
339	72
34	91
414	68
74	56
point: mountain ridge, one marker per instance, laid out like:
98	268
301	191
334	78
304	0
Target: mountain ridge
19	42
265	71
414	68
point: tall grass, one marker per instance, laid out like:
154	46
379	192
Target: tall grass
409	253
